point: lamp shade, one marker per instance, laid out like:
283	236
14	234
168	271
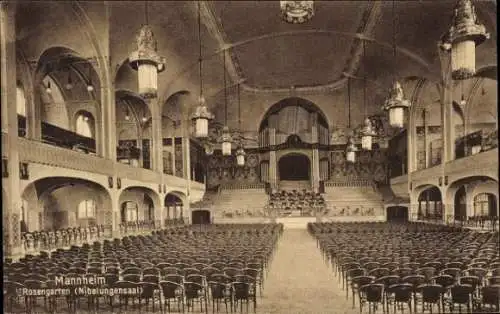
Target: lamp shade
367	135
240	156
383	143
351	151
396	105
209	149
201	116
462	38
147	62
226	141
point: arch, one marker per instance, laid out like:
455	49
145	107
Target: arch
174	107
144	197
298	102
54	109
174	205
294	166
53	203
430	202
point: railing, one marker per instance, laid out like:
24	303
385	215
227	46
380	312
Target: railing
42	153
487	160
348	183
480	222
51	239
243	186
174	222
476	142
139	174
361	210
139	227
128	153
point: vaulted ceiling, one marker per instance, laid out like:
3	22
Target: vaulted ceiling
265	53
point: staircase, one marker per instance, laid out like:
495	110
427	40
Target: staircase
294	185
354	203
236	205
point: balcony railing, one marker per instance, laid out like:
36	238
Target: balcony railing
475	143
42	153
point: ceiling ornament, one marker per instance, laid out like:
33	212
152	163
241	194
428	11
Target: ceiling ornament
146	61
464	35
297	12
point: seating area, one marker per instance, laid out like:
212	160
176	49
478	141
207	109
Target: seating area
305	202
174	270
392	268
239	203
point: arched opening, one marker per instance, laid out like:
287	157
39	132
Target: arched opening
397	214
133	129
174	211
430	204
138	204
200	217
294	167
460	204
57	203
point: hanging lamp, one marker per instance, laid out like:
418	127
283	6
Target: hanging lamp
146	61
367	132
226	136
201	115
127	114
297	12
240	152
351	148
396	104
462	38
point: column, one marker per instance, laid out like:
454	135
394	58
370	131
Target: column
173	155
116	213
273	175
33	119
446	95
107	142
156	150
315	178
11	207
427	143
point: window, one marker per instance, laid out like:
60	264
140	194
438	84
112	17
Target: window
131	211
87	209
84	125
481	205
21	102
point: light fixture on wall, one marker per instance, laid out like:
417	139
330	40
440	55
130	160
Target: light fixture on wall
395	104
297	12
226	136
462	98
48	90
367	132
90	87
462	38
201	116
146	61
144	119
240	152
69	84
209	148
127	114
351	148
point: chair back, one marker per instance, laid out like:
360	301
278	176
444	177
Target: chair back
461	293
373	292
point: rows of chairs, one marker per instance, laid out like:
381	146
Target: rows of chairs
413	265
168	270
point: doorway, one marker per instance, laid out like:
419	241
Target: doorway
397	214
294	167
200	217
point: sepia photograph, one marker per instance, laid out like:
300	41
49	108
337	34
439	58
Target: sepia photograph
266	157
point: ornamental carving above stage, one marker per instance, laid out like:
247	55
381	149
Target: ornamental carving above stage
369	165
223	170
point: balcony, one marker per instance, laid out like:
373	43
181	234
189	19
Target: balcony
47	154
483	163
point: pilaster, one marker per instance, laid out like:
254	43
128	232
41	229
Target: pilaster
272	160
156	151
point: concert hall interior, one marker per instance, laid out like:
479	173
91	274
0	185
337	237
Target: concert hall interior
266	156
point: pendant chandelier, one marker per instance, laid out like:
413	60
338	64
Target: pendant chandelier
69	84
297	12
146	61
90	87
201	116
226	136
367	132
464	35
240	152
209	148
351	148
395	104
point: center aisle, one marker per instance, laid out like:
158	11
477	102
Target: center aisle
299	281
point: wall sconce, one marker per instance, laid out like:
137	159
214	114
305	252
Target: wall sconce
23	171
118	183
445	180
440	181
110	182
